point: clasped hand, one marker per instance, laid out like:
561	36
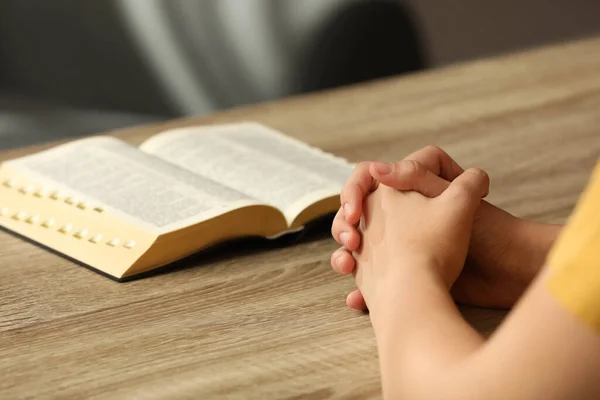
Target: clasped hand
406	233
426	209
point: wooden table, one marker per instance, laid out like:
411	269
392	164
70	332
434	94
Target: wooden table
274	324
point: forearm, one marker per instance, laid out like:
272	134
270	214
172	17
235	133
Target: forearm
428	351
520	246
536	240
421	336
542	350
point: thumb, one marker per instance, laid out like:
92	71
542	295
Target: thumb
464	194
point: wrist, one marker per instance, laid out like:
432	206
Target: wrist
406	287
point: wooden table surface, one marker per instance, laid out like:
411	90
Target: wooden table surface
274	324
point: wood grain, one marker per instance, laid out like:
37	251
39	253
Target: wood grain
273	324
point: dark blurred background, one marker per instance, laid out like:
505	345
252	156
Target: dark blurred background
75	67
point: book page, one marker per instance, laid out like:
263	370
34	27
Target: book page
256	160
140	188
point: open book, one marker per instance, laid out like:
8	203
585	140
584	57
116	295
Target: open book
124	210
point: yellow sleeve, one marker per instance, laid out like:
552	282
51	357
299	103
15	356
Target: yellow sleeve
574	261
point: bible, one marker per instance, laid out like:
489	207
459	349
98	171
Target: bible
125	210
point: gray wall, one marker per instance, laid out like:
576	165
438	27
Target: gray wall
457	30
53	48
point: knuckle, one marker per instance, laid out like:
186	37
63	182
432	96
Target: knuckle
357	173
410	168
336	224
460	194
345	193
479	172
334	231
361	166
433	149
437	152
482	181
479	178
347	190
360	175
464	190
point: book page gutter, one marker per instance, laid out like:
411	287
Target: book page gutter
141	189
255	160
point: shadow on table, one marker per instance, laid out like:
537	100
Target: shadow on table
317	230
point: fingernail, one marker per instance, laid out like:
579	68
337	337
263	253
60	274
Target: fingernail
347	209
383	168
344	238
